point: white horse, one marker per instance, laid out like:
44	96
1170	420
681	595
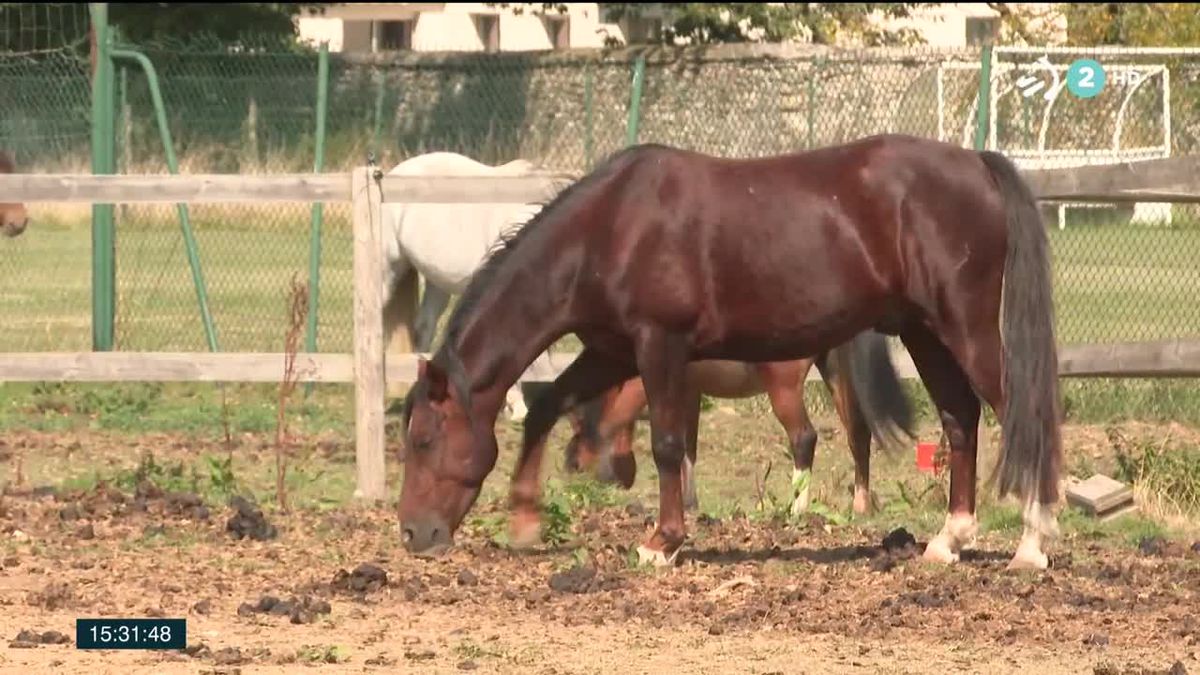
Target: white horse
445	243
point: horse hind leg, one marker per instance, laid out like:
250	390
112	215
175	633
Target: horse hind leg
399	310
959	408
433	303
858	433
784	384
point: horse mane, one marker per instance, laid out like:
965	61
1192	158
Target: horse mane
7	165
501	256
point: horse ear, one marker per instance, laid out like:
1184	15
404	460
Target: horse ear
435	377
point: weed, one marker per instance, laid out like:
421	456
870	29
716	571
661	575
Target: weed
221	479
322	654
1170	475
469	650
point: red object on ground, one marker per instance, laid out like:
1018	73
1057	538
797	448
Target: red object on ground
925	458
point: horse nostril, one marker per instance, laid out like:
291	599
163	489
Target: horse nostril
434	534
407	535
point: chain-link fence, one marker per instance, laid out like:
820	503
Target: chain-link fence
1122	273
45	275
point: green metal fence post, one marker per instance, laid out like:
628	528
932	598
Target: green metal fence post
589	138
314	246
635	101
985	98
185	222
104	266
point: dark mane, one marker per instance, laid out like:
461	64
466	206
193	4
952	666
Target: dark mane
7	165
499	258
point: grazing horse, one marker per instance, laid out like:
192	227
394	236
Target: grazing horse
603	427
662	256
13	216
444	243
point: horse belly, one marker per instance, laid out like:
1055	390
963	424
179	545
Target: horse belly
725	379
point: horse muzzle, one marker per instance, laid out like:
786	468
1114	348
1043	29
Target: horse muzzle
426	537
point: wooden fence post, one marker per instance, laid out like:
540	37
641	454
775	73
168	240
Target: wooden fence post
368	335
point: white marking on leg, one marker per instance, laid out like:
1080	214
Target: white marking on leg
649	556
801	482
515	403
689	484
957	533
1040	524
862	499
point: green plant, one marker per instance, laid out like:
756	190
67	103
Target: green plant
556	521
1170	474
321	654
174	477
221	479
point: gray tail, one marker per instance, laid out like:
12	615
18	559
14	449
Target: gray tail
877	391
1031	454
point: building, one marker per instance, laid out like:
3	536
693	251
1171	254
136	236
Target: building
393	26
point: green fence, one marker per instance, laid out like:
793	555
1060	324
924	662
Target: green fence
1122	274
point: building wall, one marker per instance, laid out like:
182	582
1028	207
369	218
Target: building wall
449	27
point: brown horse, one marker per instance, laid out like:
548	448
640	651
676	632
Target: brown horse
13	216
662	256
603	438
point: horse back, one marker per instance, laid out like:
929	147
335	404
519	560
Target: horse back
842	236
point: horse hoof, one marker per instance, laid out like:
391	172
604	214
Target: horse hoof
1029	558
937	551
525	535
648	556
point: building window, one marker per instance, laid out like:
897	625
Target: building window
488	27
395	35
558	29
982	30
640	29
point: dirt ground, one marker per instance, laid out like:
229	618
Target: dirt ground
334	589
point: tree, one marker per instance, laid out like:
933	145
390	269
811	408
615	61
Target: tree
1170	24
1088	24
227	22
711	22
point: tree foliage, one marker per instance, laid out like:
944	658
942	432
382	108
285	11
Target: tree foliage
717	22
1167	24
228	22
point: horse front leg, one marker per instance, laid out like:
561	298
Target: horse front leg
662	360
587	376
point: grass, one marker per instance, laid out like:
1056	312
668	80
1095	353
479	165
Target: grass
1113	283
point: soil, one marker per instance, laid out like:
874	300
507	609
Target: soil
335	589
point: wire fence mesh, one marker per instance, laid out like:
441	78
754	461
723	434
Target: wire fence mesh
45	274
1128	273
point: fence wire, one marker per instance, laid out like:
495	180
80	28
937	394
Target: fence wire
1122	273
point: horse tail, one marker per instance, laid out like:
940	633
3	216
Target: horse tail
1031	453
876	390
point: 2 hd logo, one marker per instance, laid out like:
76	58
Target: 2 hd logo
1085	79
